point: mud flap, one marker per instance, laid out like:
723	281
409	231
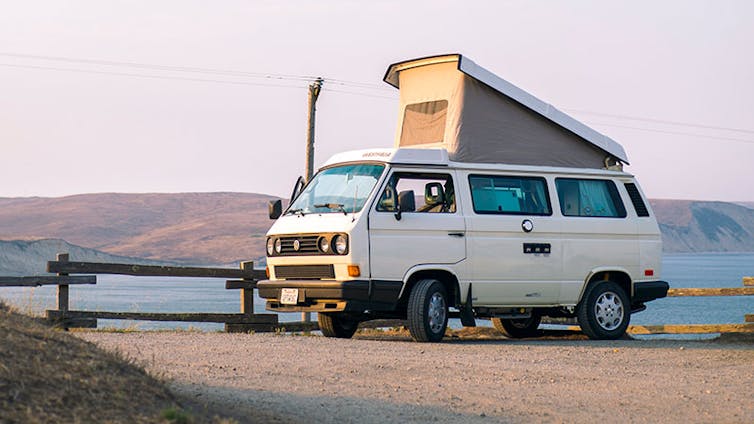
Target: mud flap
467	312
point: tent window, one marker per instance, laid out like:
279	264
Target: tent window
424	123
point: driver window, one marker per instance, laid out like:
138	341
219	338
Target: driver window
433	193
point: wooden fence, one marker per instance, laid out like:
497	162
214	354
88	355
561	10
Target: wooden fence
746	327
245	280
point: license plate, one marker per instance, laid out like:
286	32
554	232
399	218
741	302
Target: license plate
289	296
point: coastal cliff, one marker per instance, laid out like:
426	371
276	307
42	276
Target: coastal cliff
225	228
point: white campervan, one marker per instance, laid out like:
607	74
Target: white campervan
493	204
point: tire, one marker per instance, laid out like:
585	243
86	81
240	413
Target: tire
604	312
427	311
336	325
519	328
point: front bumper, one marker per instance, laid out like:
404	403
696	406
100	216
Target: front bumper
332	296
649	290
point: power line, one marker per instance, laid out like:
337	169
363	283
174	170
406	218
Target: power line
305	79
163	67
214	71
178	78
163	77
359	84
661	121
739	140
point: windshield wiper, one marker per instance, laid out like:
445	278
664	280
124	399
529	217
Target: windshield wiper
336	206
293	211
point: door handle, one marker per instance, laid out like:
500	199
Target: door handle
455	234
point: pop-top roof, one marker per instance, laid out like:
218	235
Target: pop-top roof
451	102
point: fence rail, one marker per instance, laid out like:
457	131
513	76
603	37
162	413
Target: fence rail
716	291
245	279
690	329
152	270
46	280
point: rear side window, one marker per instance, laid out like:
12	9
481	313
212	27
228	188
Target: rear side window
590	198
639	205
495	194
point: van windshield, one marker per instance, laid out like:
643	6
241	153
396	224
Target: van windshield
340	189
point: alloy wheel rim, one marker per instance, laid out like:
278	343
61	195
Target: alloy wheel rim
608	310
436	312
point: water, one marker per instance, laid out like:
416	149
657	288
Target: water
702	270
157	294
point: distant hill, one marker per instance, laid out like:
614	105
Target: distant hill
224	228
18	257
196	228
696	226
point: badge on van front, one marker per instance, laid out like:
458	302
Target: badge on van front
527	226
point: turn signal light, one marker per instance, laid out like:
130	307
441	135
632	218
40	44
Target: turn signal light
649	272
267	271
354	271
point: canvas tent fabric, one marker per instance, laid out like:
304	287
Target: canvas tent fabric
450	102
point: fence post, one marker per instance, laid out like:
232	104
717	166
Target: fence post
62	288
247	293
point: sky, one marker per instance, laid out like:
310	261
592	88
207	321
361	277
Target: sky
193	96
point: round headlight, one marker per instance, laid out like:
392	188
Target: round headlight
278	245
270	246
340	244
324	245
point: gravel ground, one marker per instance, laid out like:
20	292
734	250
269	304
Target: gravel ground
377	379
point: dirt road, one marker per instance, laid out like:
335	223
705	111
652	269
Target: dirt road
289	378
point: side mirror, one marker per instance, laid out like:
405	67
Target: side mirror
406	203
275	208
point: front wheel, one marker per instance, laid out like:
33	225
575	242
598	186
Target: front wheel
519	328
428	311
604	312
336	325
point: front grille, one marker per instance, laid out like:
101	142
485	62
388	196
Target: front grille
304	272
307	245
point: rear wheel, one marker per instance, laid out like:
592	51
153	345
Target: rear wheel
604	312
519	328
428	311
337	325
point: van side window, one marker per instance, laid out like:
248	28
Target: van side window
432	193
495	194
593	198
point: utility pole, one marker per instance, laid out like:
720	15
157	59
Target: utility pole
314	89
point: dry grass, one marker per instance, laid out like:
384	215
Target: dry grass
48	376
